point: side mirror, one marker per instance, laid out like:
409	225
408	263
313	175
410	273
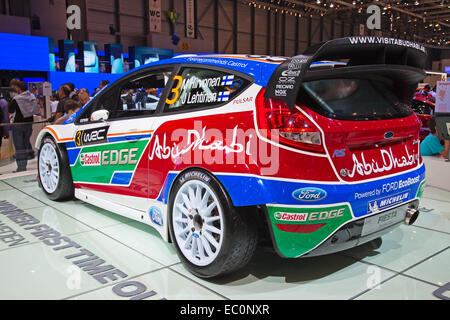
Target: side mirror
100	115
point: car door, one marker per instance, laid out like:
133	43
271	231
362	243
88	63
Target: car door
112	162
195	115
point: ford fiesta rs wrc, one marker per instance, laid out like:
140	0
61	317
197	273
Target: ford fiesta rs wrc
316	153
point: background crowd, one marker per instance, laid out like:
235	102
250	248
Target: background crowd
23	105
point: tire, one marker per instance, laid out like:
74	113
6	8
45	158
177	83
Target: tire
212	238
54	174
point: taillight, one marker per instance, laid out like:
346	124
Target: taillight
277	122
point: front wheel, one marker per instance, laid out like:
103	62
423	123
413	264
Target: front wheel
54	171
212	238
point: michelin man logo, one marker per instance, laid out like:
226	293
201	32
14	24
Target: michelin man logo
373	207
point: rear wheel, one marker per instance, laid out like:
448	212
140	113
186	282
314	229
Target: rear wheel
212	237
54	171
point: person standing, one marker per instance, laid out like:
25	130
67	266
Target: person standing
23	106
4	118
63	93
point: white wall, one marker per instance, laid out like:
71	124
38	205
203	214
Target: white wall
52	18
16	25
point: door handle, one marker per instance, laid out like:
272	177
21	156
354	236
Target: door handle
138	137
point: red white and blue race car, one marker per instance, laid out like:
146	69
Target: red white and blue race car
219	151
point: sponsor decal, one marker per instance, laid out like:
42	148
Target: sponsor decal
196	174
290	73
194	90
286	79
288	216
338	153
91	136
91	159
377	205
389	135
311	216
389	162
109	157
156	216
385	40
242	100
325	215
195	140
309	194
297	230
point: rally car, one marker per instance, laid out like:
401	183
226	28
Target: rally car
313	155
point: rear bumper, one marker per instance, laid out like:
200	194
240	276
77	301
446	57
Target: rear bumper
351	235
325	238
312	228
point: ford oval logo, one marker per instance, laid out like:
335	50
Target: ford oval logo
309	194
389	135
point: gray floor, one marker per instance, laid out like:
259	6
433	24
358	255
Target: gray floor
411	263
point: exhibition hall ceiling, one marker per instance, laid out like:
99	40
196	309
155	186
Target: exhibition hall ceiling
421	20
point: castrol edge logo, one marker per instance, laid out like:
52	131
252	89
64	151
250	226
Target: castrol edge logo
286	216
311	216
91	159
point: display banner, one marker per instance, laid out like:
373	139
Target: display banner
51	54
155	15
87	54
190	18
67	55
114	53
139	56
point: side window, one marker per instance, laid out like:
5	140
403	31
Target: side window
141	95
136	97
198	88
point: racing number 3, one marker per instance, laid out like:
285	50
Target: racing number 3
176	90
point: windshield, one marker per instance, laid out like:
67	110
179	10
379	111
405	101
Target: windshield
356	99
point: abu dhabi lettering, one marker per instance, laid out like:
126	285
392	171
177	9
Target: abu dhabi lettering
203	145
389	162
195	140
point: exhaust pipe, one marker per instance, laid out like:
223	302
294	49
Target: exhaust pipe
411	214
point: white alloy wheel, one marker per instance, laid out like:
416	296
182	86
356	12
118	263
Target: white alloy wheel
198	222
49	168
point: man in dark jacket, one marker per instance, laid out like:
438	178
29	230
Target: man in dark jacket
24	106
63	93
4	118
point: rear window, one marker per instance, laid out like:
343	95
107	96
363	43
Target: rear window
355	99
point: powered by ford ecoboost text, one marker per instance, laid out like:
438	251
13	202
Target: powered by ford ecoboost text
219	151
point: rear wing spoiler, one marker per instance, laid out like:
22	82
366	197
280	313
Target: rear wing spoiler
361	51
